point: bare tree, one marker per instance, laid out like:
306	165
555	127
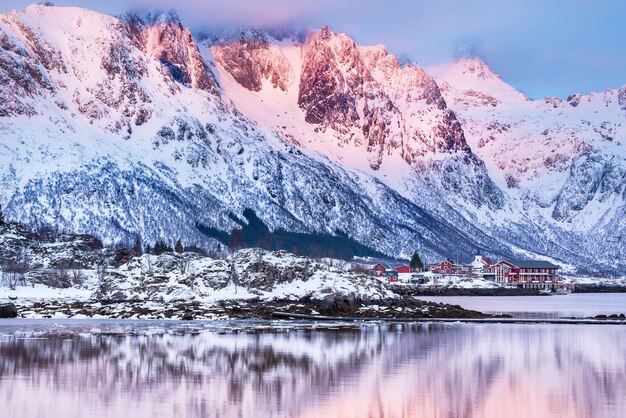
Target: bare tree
78	278
14	272
15	268
258	261
146	265
183	262
101	268
234	276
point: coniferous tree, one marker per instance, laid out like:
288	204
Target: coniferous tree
236	241
161	247
179	247
137	248
416	262
1	216
148	249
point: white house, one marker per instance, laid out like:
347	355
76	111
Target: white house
480	263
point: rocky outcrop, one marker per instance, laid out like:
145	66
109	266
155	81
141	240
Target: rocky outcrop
164	38
621	98
332	80
251	58
246	274
47	257
337	91
349	88
342	305
21	78
596	176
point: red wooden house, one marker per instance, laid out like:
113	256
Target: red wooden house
403	269
392	275
385	270
445	267
379	269
526	273
449	267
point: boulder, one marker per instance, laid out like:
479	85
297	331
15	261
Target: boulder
8	310
339	305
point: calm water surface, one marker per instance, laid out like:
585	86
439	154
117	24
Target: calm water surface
557	306
244	369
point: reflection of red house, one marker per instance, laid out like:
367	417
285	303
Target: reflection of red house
403	269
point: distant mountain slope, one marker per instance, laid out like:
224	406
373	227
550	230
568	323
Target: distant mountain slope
129	127
564	161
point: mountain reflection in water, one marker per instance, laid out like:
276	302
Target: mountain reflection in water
385	370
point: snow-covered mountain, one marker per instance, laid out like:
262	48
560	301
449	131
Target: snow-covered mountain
125	127
562	161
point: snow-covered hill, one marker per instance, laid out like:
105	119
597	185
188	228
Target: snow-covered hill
129	127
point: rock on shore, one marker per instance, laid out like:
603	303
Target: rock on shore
8	310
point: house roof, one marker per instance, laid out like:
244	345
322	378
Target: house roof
483	260
534	264
387	266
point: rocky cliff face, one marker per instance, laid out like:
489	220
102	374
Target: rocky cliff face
337	91
21	74
164	38
362	97
344	86
251	59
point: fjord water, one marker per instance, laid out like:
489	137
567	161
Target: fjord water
279	369
575	305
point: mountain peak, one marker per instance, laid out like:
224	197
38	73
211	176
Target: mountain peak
326	32
475	67
465	52
152	18
246	34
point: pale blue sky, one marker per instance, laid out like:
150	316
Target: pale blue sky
542	47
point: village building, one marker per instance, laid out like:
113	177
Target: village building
532	274
392	276
379	269
449	267
386	270
403	268
480	264
390	272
